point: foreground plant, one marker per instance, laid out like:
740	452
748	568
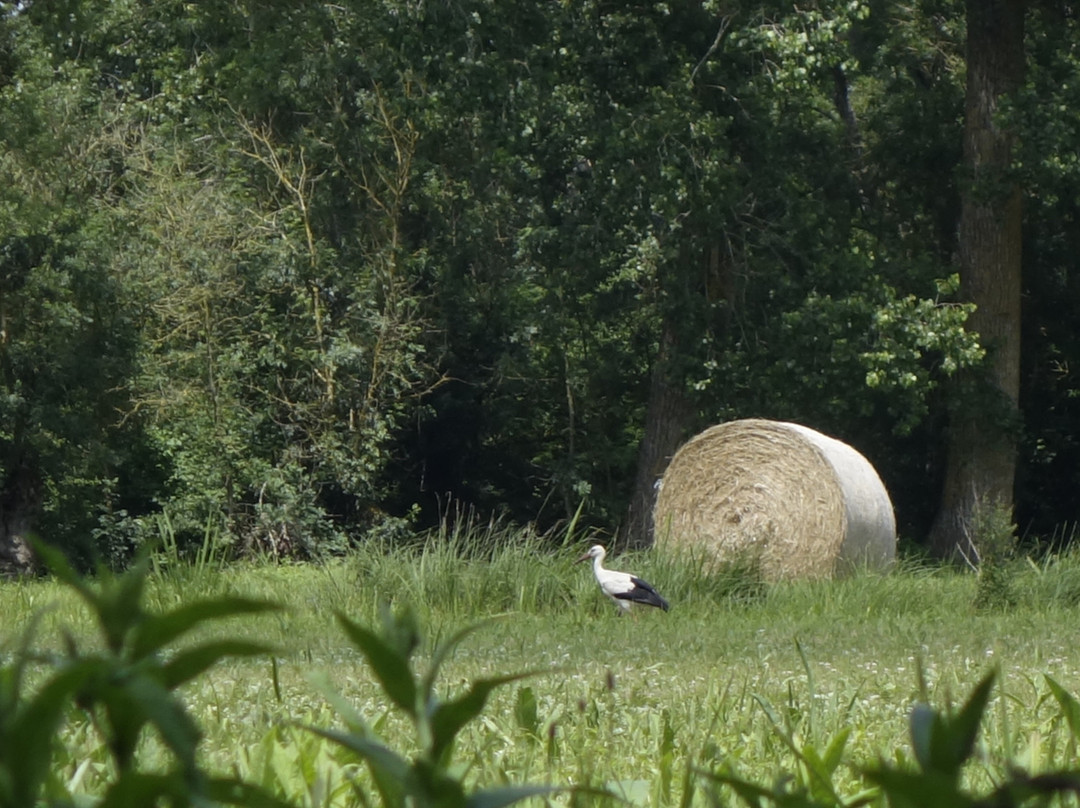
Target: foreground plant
125	688
943	743
429	777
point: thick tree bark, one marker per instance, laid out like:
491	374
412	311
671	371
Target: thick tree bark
667	418
18	500
981	456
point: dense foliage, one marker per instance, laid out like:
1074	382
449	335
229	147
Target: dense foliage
308	271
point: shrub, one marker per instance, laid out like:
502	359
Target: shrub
992	542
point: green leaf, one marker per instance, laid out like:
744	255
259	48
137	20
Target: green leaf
391	667
820	776
154	633
964	727
1020	789
944	743
345	709
188	664
919	789
231	791
750	793
450	716
442	652
922	724
122	598
378	755
117	603
507	795
392	773
141	699
400	630
139	788
435	787
27	744
1070	707
777	725
526	715
58	565
834	754
11	675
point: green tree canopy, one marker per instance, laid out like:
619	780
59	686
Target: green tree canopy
308	270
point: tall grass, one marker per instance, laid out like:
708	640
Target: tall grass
735	677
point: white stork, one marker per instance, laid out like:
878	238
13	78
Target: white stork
621	587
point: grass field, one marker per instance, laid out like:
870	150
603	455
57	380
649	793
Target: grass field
732	675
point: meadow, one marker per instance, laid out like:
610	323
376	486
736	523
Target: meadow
740	676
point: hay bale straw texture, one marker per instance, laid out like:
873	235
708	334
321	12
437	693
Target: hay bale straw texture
799	503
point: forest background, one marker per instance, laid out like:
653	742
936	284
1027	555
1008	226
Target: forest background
311	273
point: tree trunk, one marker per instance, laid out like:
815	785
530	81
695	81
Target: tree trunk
18	500
981	453
667	418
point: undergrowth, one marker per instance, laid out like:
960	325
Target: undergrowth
171	686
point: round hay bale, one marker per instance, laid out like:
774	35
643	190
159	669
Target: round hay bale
781	495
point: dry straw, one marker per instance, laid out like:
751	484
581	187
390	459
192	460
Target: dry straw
799	503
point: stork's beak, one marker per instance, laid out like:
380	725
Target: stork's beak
585	557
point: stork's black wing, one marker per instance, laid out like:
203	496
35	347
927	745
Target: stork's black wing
643	593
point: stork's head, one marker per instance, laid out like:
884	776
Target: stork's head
596	551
